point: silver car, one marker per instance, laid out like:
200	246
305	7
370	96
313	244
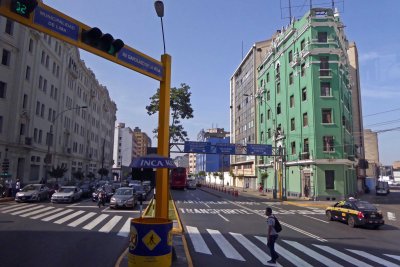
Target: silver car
32	192
124	197
67	194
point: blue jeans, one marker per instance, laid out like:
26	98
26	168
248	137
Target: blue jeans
271	245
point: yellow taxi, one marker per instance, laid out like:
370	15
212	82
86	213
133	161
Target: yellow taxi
356	213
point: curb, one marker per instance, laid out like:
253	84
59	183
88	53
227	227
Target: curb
121	257
186	248
317	205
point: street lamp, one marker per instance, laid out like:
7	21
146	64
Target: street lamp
159	6
48	157
259	97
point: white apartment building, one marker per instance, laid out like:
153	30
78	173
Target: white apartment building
192	163
43	86
124	147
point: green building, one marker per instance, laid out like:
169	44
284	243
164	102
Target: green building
305	110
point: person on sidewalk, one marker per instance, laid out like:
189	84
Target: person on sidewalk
272	235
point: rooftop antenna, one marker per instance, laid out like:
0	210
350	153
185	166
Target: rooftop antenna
290	12
310	4
333	4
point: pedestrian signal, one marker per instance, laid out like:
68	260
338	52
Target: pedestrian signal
23	7
104	42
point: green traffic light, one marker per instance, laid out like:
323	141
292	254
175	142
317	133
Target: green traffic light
23	7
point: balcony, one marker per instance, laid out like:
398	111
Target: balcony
304	155
73	70
325	73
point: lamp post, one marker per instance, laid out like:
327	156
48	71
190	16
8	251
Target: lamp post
48	158
274	132
159	6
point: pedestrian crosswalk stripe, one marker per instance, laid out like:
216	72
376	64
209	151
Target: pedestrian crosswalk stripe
343	256
46	213
12	206
82	219
253	249
16	208
57	215
27	209
228	250
126	228
95	222
298	262
324	260
393	256
110	225
197	241
36	212
373	258
69	217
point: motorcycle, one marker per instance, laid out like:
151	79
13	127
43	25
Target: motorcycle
101	199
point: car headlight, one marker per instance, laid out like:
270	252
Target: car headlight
112	199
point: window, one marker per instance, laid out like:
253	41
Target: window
5	59
277	72
30	47
40	136
28	73
35	135
291	101
278	88
47	61
40	82
324	66
291	78
269	132
326	89
326	115
306	148
330	179
268	77
22	129
262	118
24	101
9	27
304	94
303	69
290	56
268	114
43	57
42	111
268	95
3	88
1	124
328	144
302	44
262	136
293	147
322	37
292	124
37	108
305	119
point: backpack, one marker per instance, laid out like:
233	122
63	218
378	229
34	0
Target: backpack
277	225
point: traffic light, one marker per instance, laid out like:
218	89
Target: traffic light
5	165
23	7
104	42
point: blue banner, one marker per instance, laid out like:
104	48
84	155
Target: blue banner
259	149
138	61
56	23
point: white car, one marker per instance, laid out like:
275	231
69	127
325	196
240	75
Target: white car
67	194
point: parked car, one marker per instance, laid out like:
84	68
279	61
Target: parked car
382	188
32	192
67	194
124	197
139	189
86	190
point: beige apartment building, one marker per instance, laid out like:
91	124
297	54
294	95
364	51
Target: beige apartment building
142	141
371	152
192	163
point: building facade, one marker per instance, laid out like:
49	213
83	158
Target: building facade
243	111
51	107
142	141
372	153
124	149
192	163
305	110
182	161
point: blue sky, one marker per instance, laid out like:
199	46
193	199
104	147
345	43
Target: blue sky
205	40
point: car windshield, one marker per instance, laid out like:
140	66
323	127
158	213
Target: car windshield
364	205
124	192
66	189
30	187
138	187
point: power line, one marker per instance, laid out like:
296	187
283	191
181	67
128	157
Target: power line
382	112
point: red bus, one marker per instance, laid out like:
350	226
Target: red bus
178	178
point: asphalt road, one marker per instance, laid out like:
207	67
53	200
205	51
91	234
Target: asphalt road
78	234
226	231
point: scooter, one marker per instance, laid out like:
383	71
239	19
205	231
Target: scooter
101	200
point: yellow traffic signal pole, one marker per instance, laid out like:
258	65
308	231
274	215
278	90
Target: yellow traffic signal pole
162	202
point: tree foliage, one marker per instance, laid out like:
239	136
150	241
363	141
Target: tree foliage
103	172
58	172
78	175
90	175
180	107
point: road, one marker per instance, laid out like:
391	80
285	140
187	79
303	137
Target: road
78	234
223	230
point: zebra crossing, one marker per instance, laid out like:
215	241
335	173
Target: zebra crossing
292	252
105	223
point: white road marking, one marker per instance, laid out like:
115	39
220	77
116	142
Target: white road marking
253	249
228	250
126	228
110	225
315	219
343	256
69	217
95	222
13	205
36	212
121	211
197	241
46	213
207	205
27	209
374	258
75	206
16	208
286	253
391	216
57	215
324	260
82	219
223	217
393	256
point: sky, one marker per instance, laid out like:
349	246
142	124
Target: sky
207	39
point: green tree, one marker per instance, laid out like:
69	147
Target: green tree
58	172
90	175
202	173
103	172
181	108
78	175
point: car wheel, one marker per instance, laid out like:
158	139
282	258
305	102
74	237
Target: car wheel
329	216
351	222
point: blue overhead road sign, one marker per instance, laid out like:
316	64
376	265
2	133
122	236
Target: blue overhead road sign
135	59
259	149
224	148
197	147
